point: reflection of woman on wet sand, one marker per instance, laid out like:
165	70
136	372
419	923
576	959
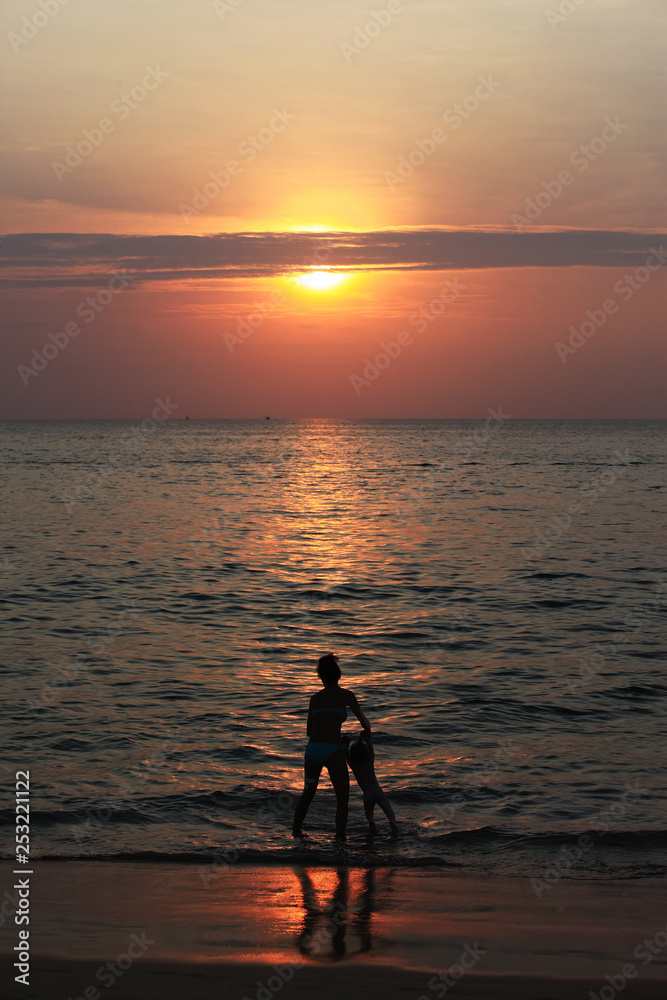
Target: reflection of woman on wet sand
325	928
326	713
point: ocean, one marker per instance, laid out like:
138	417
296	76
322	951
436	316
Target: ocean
495	591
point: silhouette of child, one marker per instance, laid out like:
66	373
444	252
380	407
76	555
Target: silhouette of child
361	756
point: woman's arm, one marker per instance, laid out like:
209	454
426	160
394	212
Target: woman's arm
310	718
354	705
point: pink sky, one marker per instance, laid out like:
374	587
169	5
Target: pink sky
514	156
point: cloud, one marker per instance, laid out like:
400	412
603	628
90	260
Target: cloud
71	260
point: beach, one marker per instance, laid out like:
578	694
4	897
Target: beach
163	930
333	575
178	982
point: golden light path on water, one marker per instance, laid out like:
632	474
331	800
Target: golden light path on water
317	532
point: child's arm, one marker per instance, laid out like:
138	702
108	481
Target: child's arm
347	740
366	737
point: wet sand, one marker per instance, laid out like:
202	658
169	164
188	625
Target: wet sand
188	931
166	981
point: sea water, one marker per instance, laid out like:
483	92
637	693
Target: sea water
495	591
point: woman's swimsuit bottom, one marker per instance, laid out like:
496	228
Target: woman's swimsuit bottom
318	753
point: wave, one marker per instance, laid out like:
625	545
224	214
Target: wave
222	858
205	809
642	854
496	838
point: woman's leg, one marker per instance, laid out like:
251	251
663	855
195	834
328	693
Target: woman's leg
340	779
311	776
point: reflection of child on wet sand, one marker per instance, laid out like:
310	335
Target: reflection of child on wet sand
361	757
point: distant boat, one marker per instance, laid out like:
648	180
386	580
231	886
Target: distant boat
267	418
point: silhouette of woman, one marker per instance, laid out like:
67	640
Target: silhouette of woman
326	713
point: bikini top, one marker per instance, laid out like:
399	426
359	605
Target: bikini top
343	711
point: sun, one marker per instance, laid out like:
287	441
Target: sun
321	279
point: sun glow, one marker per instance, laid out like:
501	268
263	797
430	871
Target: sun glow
321	279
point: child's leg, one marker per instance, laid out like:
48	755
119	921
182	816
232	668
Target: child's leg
369	805
385	806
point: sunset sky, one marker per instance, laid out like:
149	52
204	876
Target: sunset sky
480	178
